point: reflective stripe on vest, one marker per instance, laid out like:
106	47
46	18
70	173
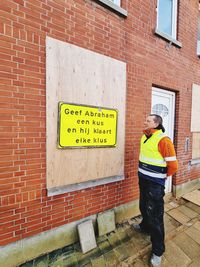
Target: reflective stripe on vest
152	174
150	160
150	155
170	158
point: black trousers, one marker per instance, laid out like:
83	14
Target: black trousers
152	211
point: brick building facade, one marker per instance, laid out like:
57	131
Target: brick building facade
127	32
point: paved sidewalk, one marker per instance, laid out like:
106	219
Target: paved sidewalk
125	247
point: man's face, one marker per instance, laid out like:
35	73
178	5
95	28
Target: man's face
149	123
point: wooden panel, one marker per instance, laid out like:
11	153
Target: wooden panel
193	197
195	118
178	216
76	75
195	145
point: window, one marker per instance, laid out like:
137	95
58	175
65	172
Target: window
196	145
167	17
114	5
195	122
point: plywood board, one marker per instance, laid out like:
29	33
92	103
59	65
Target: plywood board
193	197
79	76
194	233
195	118
187	245
178	216
188	212
196	145
176	256
193	207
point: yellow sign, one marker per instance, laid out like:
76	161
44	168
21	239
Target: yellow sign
86	126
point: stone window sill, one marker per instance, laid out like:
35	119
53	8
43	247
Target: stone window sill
168	38
194	161
84	185
113	7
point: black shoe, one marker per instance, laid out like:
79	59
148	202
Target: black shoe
138	229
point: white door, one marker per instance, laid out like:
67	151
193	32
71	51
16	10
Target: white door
163	104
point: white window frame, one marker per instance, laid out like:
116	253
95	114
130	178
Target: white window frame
114	5
174	19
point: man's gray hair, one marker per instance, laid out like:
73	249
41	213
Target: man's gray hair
157	118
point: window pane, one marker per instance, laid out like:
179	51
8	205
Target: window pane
165	10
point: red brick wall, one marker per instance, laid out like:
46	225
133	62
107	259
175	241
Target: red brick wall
25	208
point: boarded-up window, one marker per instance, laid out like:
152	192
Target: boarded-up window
78	76
195	121
196	145
198	40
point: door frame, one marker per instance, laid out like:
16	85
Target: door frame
173	95
161	92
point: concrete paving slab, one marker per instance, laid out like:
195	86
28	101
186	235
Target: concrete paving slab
100	239
82	260
123	235
175	256
131	249
111	259
114	239
105	246
187	211
130	232
121	252
85	258
98	262
140	241
106	222
188	245
87	236
178	216
194	234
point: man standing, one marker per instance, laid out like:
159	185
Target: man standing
157	160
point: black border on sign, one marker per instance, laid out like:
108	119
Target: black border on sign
85	146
